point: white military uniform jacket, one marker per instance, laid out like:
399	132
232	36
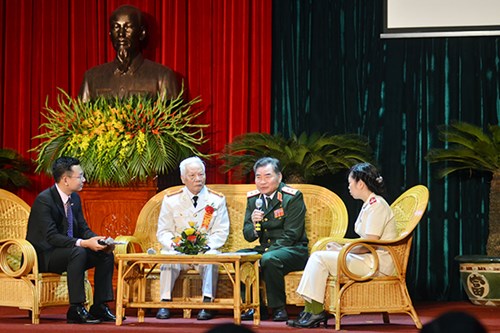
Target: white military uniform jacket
177	211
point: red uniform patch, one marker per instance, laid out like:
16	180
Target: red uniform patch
372	200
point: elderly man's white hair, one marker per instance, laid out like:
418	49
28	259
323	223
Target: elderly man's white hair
188	161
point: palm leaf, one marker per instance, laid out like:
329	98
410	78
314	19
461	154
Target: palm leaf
121	141
467	147
300	156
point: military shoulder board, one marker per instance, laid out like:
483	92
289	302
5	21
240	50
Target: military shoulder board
169	194
252	193
215	192
289	190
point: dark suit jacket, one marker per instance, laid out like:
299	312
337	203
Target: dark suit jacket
48	226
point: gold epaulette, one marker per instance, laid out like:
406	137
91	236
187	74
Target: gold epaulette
169	194
252	193
289	190
215	192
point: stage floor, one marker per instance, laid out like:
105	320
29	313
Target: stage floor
54	320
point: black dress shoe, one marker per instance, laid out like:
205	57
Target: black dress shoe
205	315
102	312
248	314
77	314
310	320
290	322
280	315
163	313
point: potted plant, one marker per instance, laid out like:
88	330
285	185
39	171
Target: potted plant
302	157
120	142
122	146
469	147
13	168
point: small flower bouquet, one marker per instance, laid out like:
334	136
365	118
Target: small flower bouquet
191	241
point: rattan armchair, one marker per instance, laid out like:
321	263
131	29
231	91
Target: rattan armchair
21	284
350	294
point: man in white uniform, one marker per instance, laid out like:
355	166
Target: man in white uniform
177	210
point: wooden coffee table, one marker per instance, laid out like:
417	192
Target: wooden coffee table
134	268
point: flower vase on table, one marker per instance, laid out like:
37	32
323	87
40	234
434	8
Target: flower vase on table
192	240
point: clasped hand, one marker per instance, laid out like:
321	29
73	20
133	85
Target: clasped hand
93	244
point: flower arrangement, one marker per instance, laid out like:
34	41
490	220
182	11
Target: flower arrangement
191	241
120	141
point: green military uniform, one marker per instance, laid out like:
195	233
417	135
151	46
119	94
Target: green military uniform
283	240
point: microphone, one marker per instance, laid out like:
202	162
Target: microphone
258	205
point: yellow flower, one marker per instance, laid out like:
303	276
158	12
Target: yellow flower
189	231
141	142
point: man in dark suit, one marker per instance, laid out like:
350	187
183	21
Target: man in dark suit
62	246
278	221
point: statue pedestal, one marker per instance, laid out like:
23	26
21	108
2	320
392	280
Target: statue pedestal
113	211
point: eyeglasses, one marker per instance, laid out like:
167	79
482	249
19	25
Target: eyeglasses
82	177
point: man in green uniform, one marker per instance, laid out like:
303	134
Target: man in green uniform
275	215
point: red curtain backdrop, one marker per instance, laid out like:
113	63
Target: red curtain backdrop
220	48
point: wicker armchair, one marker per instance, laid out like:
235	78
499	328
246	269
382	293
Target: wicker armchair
352	294
21	284
326	216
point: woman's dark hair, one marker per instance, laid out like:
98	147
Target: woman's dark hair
456	322
369	175
229	328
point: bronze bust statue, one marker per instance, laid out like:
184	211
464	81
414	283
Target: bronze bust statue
130	73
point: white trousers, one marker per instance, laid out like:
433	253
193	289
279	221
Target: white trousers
323	263
170	272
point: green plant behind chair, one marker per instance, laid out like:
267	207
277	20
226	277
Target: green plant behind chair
302	157
469	147
13	169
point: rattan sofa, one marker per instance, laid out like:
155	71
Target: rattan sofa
326	217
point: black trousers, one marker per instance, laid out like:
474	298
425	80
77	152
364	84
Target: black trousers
76	261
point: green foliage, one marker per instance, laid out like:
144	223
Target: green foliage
12	170
120	142
302	157
467	147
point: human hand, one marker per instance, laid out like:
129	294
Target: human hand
257	216
93	243
333	246
109	243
